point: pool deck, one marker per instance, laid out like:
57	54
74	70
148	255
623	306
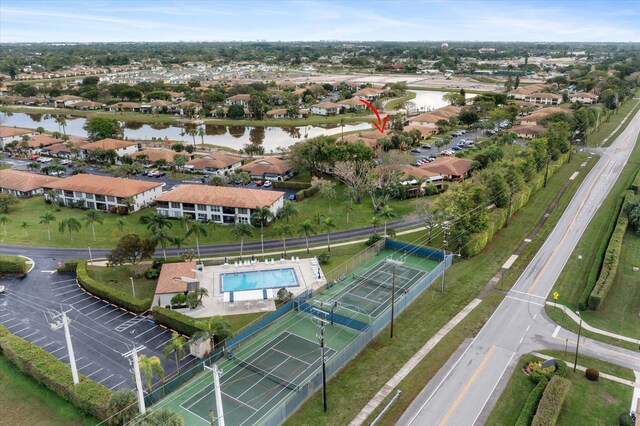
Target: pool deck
306	271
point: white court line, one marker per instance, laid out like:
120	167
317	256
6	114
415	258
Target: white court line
125	313
95	372
525	301
105	379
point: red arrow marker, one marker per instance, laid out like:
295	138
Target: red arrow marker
380	125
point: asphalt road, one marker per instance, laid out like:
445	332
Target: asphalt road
466	389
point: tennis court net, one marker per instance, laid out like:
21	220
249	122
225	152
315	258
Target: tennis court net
367	280
267	374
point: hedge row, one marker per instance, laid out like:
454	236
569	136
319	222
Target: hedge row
635	186
176	321
12	265
551	403
69	265
108	293
531	405
306	193
289	184
609	266
88	396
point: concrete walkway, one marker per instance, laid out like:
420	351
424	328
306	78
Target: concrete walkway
410	365
592	329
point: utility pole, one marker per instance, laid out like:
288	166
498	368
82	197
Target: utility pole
133	289
575	362
546	171
218	393
321	321
133	353
67	335
393	262
445	229
509	210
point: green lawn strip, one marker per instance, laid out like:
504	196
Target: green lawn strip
413	384
588	362
25	401
108	234
574	276
588	402
563	320
389	106
635	109
512	274
605	129
118	277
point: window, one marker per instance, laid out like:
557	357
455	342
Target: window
68	194
163	204
243	211
188	206
88	196
217	218
228	210
202	216
111	199
215	209
202	207
175	205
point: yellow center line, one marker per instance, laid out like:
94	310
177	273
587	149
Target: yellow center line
566	233
468	385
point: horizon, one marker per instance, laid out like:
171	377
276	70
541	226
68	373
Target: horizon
111	21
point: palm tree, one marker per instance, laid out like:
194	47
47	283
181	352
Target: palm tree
25	225
262	215
241	230
162	237
162	416
62	122
283	231
150	366
385	214
90	218
215	326
199	230
317	218
128	202
193	133
70	225
177	345
120	225
328	224
375	221
307	228
202	132
47	218
155	221
348	209
178	242
4	220
185	220
287	210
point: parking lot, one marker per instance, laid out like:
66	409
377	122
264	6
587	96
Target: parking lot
100	332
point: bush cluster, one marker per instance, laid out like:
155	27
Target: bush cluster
176	321
117	297
89	396
610	265
551	403
373	238
324	258
69	265
592	374
12	265
290	185
531	404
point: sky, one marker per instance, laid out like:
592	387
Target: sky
313	20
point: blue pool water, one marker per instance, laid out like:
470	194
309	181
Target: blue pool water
253	280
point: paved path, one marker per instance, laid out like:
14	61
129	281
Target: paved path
466	393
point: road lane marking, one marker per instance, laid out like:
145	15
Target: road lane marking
525	301
528	294
494	388
468	385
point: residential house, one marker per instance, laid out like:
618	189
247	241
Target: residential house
220	204
432	117
11	134
272	168
450	168
325	108
124	107
104	193
63	150
353	104
171	282
369	142
538	116
88	105
217	163
241	99
523	91
528	131
177	97
583	97
41	140
425	131
153	155
184	106
544	98
369	94
23	184
67	101
121	147
156	106
417	179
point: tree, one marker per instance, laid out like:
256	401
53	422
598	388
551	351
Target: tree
454	98
497	188
123	405
193	133
34	166
155	221
328	223
307	228
375	222
202	133
92	217
161	417
102	128
70	224
283	231
348	209
215	328
178	242
199	230
241	230
287	211
4	220
468	116
7	201
46	218
25	225
386	213
185	220
162	237
150	366
131	249
62	122
633	213
177	345
442	125
119	228
235	111
326	188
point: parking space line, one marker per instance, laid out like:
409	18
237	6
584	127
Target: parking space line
125	313
73	297
105	379
63	357
53	352
19	331
82	368
154	337
145	332
90	304
96	310
5	315
162	344
113	387
65	286
95	372
38	340
66	292
106	313
31	334
63	281
12	319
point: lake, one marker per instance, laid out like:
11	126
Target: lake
427	100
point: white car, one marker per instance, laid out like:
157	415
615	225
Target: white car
267	183
1	289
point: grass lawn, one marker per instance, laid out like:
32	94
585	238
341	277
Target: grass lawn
389	106
588	403
107	234
26	402
573	278
464	280
595	138
118	278
585	361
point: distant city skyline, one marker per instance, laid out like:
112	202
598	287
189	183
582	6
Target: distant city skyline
192	20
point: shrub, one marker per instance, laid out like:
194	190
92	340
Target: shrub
531	404
152	273
290	185
123	405
324	258
284	295
300	195
561	368
310	192
592	374
12	265
88	396
373	238
113	209
610	265
69	265
179	300
123	211
176	321
108	293
625	420
551	403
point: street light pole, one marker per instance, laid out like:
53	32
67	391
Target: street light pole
575	362
133	289
393	298
444	257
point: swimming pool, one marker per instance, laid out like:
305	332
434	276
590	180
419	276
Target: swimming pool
274	278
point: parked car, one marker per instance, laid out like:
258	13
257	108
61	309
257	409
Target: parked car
456	148
431	158
415	151
292	197
34	157
259	183
267	184
427	146
65	162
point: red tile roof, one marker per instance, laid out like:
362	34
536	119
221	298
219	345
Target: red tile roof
225	196
23	181
103	185
167	282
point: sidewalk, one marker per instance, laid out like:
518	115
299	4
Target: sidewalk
587	327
